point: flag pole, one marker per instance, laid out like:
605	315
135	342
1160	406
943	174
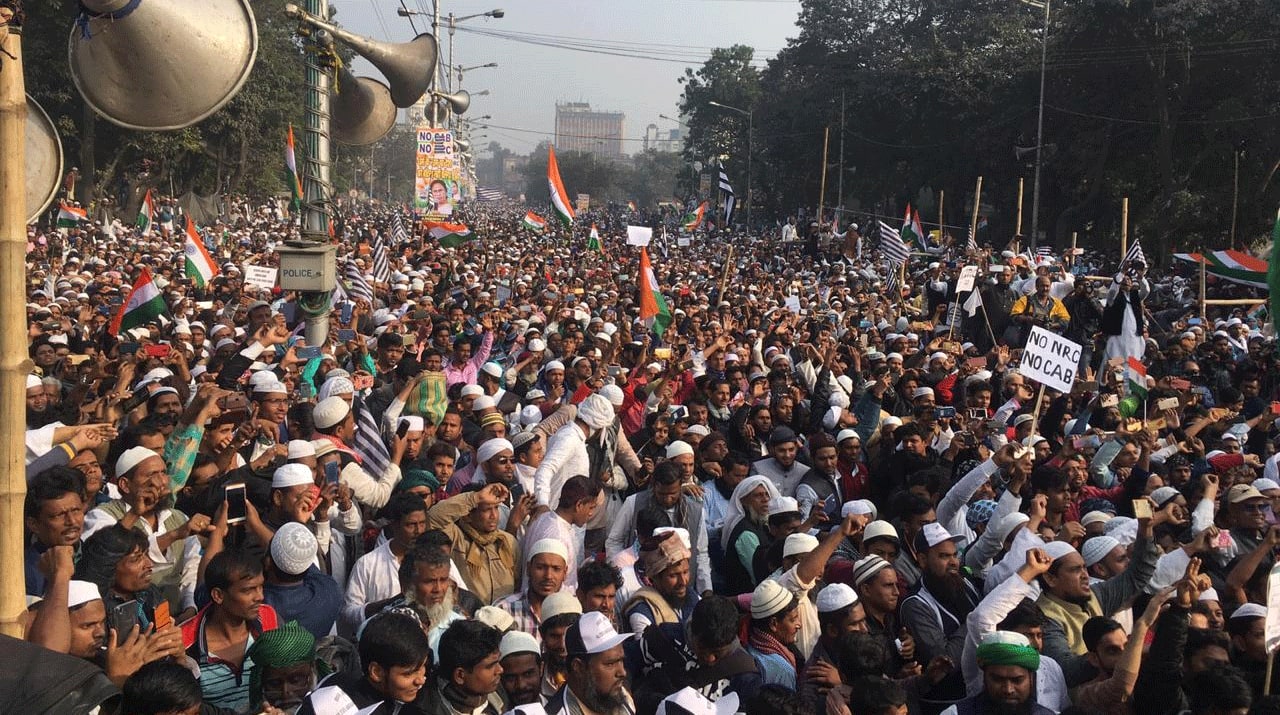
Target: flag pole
822	190
973	221
1072	255
1124	227
724	277
1203	311
1017	229
942	202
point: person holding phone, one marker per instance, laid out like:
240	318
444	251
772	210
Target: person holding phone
146	505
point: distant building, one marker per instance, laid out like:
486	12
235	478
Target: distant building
579	128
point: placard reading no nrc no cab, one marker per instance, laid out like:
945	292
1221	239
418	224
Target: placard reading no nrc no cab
1050	359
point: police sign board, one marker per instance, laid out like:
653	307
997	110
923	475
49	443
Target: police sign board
1050	359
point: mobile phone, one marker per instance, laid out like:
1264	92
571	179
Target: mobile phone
976	413
1109	400
517	491
1224	539
348	309
1275	408
946	412
615	370
1171	403
362	382
996	426
157	351
662	353
346	334
1178	383
402	430
117	300
1141	509
308	353
331	472
864	324
977	363
237	511
163	619
409	339
305	390
1193	321
129	348
123	618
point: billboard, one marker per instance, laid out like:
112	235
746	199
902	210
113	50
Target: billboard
436	185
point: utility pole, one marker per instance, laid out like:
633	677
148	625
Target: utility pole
435	80
1035	196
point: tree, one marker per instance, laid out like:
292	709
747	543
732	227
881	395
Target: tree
580	172
716	134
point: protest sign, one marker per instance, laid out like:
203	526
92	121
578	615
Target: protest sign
263	277
968	275
639	235
1050	359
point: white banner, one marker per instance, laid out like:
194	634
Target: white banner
263	277
1272	631
639	235
968	275
1050	359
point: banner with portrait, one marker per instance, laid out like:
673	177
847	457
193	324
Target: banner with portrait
436	187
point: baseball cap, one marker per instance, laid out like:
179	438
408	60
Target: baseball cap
931	535
593	633
688	701
1243	492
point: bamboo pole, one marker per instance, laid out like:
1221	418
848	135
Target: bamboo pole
822	191
977	200
724	277
942	201
1071	260
1203	281
13	341
1124	227
1017	230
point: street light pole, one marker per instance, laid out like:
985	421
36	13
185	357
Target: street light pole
751	135
1035	190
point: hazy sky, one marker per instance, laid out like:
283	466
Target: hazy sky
530	79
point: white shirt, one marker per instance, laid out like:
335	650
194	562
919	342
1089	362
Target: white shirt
551	525
375	577
622	534
566	457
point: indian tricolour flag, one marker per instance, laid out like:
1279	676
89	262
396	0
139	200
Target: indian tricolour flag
143	305
146	215
450	235
593	242
1233	266
1136	376
559	197
200	267
70	216
911	230
291	171
694	219
653	307
534	221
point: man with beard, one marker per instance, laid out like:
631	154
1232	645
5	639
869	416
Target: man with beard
521	659
145	504
597	678
39	412
781	467
54	516
469	672
427	592
485	554
376	575
1009	665
745	528
284	668
937	610
547	563
667	598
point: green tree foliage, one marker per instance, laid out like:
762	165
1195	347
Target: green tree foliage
647	177
729	77
1144	99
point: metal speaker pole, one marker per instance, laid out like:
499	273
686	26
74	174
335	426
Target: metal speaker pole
43	160
407	66
158	65
362	110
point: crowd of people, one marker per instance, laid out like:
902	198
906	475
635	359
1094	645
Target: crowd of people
496	487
